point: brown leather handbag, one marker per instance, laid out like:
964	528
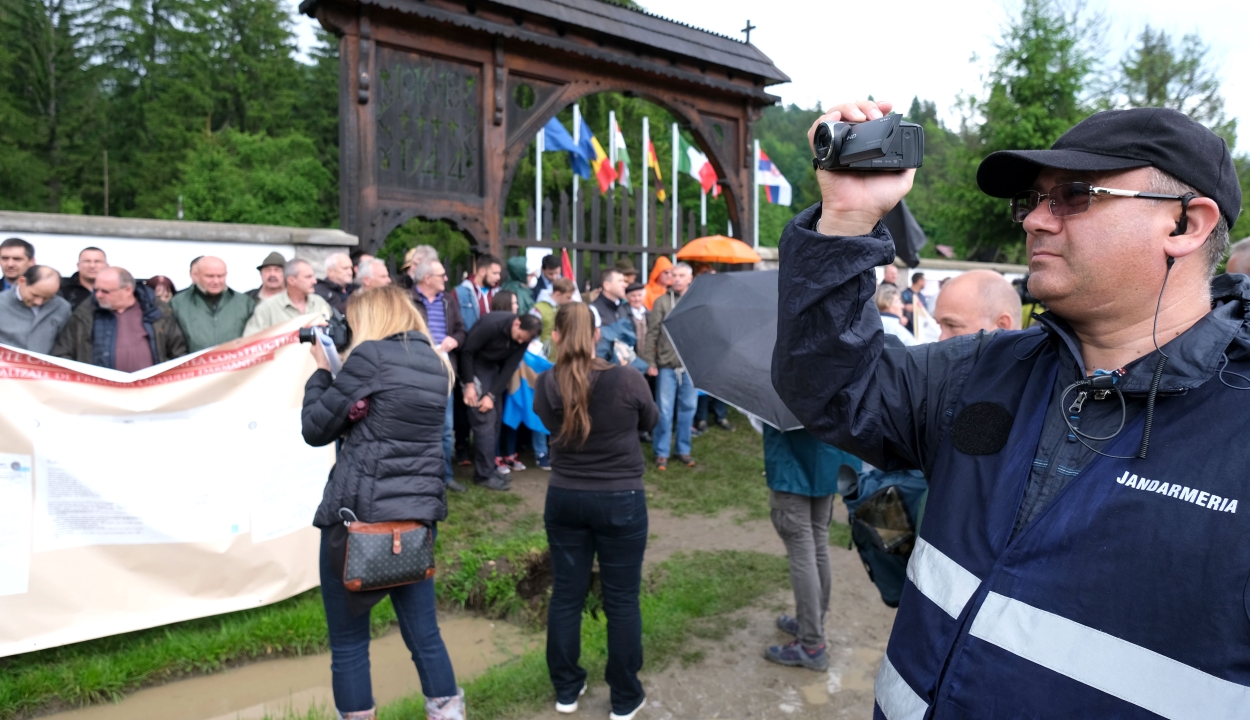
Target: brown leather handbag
387	554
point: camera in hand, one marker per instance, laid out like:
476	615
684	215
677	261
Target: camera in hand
885	144
336	330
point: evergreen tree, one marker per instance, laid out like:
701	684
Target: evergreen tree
1160	72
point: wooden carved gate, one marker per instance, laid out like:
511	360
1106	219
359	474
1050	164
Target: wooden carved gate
430	125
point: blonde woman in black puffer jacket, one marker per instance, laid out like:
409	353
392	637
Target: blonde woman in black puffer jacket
387	404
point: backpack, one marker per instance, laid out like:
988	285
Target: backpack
885	510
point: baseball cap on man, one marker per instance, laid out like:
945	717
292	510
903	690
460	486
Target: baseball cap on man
1118	140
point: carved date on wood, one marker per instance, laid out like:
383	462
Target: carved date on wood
428	116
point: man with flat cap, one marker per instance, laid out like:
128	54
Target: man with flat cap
1083	552
271	280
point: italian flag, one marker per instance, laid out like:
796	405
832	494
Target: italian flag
622	158
695	164
653	162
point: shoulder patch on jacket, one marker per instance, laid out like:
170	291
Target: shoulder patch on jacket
981	428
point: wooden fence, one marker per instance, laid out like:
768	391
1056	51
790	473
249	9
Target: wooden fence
607	227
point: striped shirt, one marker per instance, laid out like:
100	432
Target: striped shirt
436	316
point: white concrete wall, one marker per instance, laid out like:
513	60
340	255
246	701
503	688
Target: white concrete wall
145	258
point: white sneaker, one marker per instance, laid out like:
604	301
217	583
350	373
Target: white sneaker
571	707
629	715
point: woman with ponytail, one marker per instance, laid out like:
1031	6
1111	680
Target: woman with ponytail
595	506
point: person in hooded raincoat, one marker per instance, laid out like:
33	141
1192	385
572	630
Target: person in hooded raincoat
661	278
516	282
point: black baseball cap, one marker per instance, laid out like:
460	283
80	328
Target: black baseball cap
1123	140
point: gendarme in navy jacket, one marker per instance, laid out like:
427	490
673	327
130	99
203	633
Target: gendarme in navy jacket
391	464
1047	581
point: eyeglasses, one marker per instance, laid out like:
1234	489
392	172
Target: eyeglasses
1075	198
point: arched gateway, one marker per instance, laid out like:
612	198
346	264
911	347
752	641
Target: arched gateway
435	115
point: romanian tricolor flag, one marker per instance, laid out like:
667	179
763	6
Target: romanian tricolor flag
653	162
600	165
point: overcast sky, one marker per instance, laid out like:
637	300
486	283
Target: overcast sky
936	49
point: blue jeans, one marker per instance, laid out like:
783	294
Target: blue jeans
449	436
349	639
540	443
580	525
667	394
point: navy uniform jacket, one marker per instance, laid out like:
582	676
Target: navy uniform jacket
1048	581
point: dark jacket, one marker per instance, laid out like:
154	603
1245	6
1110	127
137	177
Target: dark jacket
451	311
611	458
491	355
205	325
90	336
609	312
1032	546
390	466
515	278
334	294
73	291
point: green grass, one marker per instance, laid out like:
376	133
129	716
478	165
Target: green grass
679	598
729	475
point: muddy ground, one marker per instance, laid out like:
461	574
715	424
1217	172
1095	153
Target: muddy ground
725	676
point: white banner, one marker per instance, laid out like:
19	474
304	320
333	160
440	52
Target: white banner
133	501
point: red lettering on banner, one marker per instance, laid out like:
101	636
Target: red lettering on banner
20	366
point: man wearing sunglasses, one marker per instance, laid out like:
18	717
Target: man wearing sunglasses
1083	552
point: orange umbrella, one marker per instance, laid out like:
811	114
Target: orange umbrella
718	248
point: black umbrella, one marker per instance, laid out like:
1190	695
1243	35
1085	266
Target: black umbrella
724	329
908	236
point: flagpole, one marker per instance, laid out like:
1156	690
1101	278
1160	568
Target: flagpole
702	208
612	143
645	199
538	184
577	134
755	195
676	209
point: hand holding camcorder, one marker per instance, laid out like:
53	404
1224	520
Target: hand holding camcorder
884	144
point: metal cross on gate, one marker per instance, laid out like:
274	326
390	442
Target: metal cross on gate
748	30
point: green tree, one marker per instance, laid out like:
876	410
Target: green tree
253	178
1035	93
51	96
1162	72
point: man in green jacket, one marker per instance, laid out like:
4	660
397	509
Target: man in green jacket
209	312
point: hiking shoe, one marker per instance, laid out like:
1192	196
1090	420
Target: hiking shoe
513	463
795	655
787	624
701	426
544	462
454	486
494	482
687	460
568	708
644	437
725	425
661	464
501	467
695	432
628	715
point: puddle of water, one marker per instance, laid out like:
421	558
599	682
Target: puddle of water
861	671
298	684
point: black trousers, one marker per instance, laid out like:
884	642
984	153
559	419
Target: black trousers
581	525
485	426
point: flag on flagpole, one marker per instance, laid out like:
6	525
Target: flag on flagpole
695	164
653	162
557	139
622	157
600	166
566	270
776	187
